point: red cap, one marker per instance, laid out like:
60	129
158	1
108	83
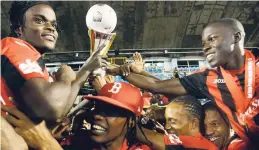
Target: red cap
122	95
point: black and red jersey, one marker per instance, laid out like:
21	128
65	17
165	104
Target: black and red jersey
228	90
19	62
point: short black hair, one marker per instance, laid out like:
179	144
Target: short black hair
211	106
191	105
16	14
232	23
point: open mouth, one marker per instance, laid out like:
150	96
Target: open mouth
210	57
97	130
213	139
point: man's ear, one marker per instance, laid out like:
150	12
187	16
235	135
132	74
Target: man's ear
195	123
237	37
19	31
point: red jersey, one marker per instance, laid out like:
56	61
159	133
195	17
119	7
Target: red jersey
189	142
19	62
136	146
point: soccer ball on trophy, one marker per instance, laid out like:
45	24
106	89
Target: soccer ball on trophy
101	20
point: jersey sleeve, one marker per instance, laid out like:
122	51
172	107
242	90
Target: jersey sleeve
20	62
194	83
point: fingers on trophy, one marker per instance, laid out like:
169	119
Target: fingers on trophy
101	20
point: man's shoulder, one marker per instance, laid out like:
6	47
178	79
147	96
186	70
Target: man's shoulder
17	50
197	141
237	144
139	146
206	71
14	44
11	41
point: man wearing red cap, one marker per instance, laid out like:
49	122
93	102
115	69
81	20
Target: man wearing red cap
112	115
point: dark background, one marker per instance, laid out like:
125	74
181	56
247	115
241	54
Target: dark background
154	24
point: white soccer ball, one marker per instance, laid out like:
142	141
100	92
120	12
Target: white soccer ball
101	18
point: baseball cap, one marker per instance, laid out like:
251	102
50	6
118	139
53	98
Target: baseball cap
122	95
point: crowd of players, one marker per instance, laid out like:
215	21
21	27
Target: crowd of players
37	114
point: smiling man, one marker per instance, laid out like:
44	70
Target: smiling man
113	117
24	77
218	129
183	118
38	25
231	82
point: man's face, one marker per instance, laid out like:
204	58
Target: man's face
218	44
108	123
216	129
178	121
40	27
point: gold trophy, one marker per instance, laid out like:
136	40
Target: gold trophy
100	40
101	20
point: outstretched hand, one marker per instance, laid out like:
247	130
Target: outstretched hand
137	65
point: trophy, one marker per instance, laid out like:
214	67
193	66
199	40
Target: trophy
101	20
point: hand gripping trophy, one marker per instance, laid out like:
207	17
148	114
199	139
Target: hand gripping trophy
101	20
